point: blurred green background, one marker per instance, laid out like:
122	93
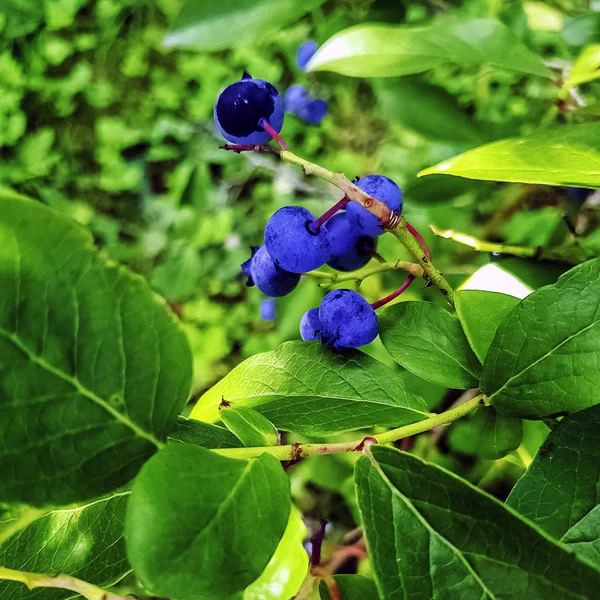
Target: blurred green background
99	119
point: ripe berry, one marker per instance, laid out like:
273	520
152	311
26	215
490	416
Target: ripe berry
292	243
295	98
381	188
347	320
267	309
349	250
305	53
241	106
310	326
267	276
313	112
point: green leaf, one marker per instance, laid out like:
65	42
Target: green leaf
371	50
311	390
351	587
583	29
561	485
429	342
287	568
480	313
584	537
249	426
586	67
93	367
431	534
200	525
495	435
544	358
190	431
566	155
85	542
203	25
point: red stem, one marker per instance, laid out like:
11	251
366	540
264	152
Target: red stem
393	295
267	127
419	239
329	213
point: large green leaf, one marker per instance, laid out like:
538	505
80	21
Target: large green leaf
247	424
93	368
202	526
204	25
431	534
85	542
309	389
560	488
494	435
371	50
545	355
429	342
191	431
351	587
567	155
584	537
480	313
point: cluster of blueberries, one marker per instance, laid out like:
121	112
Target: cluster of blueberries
250	112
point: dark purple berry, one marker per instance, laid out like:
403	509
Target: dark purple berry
349	250
241	106
381	188
310	326
293	244
347	320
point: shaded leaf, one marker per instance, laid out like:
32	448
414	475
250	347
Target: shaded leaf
191	431
545	355
584	537
371	50
431	534
203	25
309	389
480	313
200	525
566	155
583	29
93	367
249	426
428	341
351	587
495	435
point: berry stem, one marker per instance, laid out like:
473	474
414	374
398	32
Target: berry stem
267	127
393	295
329	213
419	239
317	542
374	254
332	278
303	450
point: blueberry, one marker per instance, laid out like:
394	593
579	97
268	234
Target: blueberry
313	112
241	106
267	309
349	250
381	188
295	99
292	243
347	320
267	276
305	53
310	326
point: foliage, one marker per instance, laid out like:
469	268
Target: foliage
148	410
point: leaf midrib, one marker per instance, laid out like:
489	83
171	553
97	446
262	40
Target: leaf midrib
73	381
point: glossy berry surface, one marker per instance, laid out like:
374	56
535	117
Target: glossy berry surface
349	250
381	188
310	326
241	106
347	320
292	243
305	53
267	309
267	276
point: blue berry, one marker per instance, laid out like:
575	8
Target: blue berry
305	53
313	112
292	243
310	326
241	106
349	250
267	276
295	99
347	320
381	188
267	309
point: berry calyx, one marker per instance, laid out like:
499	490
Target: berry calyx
349	250
293	244
241	106
310	325
270	279
383	189
347	320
